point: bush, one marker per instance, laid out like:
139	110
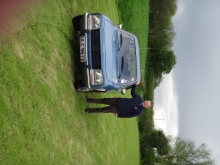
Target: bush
148	156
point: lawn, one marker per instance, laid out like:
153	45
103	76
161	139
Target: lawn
42	119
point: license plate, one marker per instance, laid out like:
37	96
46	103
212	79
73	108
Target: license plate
82	49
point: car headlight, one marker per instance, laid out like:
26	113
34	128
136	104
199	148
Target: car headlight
94	22
96	77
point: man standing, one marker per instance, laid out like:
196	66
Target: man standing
121	107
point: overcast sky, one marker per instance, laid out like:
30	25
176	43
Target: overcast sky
187	102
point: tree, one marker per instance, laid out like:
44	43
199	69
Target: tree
162	62
160	23
185	152
158	140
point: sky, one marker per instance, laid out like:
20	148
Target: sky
187	102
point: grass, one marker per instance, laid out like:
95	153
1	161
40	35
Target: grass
42	116
42	119
134	16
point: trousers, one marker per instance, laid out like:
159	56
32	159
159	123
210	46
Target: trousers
112	108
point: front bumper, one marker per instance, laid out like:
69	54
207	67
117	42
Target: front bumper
85	65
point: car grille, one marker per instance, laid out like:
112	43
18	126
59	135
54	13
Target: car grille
95	45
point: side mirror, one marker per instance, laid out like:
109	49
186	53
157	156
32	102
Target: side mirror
123	91
119	26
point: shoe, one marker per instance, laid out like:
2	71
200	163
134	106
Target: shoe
87	99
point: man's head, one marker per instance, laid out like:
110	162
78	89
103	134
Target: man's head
146	104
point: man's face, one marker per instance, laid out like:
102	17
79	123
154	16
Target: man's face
146	104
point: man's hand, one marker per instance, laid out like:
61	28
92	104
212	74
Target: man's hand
116	114
137	83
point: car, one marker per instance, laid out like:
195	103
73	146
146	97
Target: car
109	55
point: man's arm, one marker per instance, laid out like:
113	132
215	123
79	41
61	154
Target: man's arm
133	92
128	115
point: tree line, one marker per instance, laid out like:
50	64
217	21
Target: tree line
161	57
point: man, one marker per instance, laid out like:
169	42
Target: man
121	107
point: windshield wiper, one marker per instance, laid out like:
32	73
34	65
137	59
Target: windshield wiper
121	40
122	66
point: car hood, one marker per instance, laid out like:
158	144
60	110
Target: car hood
110	50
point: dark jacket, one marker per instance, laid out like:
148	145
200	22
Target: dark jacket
130	107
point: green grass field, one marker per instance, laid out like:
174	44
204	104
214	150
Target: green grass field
42	119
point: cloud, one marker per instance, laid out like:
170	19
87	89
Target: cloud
165	106
196	75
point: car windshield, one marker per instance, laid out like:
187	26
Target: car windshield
127	58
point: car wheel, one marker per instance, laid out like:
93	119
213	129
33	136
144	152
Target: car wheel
100	90
78	84
76	22
83	89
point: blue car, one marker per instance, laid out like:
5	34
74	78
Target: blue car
109	55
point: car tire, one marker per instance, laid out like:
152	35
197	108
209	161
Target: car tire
80	87
83	89
76	22
100	91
